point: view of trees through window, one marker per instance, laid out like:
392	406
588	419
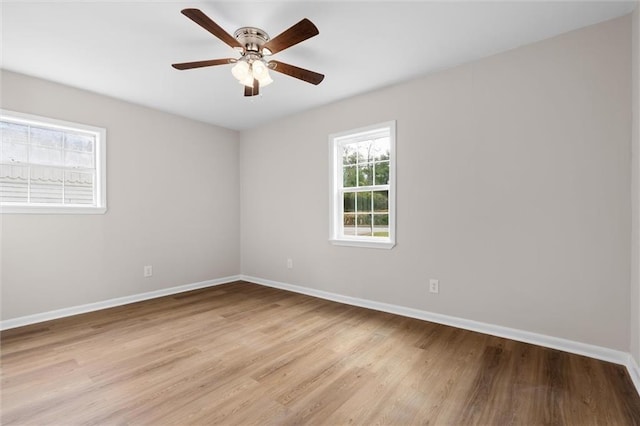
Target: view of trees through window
365	175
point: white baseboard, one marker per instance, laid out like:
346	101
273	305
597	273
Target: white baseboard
90	307
592	351
634	371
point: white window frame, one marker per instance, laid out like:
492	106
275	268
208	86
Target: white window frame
336	231
100	182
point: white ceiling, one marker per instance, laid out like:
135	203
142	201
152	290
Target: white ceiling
124	49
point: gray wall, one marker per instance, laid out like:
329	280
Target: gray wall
635	190
172	188
513	189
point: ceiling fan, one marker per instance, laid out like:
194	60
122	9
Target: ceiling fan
251	69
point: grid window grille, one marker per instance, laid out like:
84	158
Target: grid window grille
363	186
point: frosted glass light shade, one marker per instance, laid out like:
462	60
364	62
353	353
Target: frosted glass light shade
241	70
247	81
259	69
265	80
245	73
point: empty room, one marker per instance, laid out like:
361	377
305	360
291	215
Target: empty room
322	213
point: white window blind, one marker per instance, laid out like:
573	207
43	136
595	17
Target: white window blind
50	166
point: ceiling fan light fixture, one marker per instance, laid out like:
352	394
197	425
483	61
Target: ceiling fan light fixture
241	70
247	81
265	80
259	69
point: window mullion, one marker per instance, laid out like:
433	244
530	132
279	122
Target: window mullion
370	188
355	216
371	218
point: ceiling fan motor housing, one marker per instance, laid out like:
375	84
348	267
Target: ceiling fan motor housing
252	39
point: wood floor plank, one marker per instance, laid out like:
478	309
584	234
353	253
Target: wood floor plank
245	354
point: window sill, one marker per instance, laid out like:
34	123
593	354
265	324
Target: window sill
51	210
388	245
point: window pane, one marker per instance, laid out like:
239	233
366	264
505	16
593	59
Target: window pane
381	201
46	185
365	177
382	173
364	220
381	225
14	133
14	182
349	202
46	137
349	154
381	149
78	188
78	142
45	156
349	176
14	152
50	162
381	219
349	222
78	159
365	153
364	225
364	202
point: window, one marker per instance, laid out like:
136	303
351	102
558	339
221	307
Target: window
50	166
363	186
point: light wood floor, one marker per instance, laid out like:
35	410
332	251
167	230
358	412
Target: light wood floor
246	354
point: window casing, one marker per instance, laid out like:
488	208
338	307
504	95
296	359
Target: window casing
362	185
51	166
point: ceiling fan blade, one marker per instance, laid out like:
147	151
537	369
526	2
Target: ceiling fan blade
200	64
299	32
296	72
252	91
197	16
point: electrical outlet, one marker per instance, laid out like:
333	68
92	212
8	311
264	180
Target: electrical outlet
434	286
148	271
289	263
